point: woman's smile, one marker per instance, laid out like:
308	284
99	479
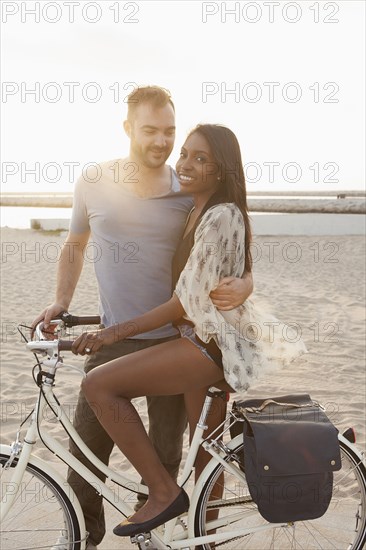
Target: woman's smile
196	166
185	178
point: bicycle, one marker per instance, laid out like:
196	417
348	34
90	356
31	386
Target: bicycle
38	504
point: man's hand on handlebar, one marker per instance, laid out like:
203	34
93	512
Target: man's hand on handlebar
51	312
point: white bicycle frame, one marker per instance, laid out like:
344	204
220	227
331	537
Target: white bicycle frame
23	451
182	539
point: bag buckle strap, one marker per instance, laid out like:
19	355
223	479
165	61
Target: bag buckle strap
291	405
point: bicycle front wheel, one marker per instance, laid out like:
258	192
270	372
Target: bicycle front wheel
343	526
42	515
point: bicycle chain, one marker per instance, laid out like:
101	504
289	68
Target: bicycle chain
229	540
234	538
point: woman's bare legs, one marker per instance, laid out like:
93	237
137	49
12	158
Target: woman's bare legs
172	368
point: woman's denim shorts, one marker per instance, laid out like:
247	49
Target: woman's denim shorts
187	331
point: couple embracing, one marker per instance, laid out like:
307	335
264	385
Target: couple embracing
175	309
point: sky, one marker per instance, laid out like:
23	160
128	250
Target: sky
287	77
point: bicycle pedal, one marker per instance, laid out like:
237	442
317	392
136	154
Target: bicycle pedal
142	539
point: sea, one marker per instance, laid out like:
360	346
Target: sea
20	216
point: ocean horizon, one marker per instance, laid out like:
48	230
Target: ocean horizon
19	217
263	223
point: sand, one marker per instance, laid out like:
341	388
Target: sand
316	282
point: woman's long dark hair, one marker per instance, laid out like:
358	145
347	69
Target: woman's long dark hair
226	151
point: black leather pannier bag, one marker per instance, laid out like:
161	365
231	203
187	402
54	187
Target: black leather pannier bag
291	450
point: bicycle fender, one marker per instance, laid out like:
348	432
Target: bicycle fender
360	454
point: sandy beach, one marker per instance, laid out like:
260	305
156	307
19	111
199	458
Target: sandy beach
316	282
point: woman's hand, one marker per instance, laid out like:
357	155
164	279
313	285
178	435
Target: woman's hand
91	342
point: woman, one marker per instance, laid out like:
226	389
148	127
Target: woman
217	347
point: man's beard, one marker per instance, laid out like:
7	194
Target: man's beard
142	155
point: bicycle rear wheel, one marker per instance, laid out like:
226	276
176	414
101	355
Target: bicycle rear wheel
42	514
343	527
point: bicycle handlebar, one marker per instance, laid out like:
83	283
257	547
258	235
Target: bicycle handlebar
52	345
75	320
49	346
65	345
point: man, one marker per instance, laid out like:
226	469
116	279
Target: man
135	214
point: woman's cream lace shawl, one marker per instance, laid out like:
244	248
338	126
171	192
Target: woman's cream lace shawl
251	341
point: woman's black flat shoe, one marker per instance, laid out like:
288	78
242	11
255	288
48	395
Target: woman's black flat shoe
177	507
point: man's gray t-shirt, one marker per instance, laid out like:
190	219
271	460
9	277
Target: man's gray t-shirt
133	242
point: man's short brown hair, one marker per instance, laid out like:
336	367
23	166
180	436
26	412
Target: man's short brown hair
155	95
